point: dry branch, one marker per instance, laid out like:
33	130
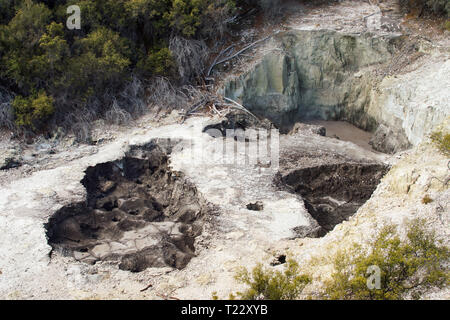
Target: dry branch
216	63
240	107
221	54
190	57
147	287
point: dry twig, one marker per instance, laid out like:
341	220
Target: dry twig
230	57
147	287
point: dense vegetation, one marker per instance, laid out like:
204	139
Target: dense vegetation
51	76
407	269
57	76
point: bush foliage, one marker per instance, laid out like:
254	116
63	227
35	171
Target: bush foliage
442	140
407	268
267	284
33	110
84	71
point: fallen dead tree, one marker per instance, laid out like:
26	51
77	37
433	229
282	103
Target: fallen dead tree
227	54
215	104
240	107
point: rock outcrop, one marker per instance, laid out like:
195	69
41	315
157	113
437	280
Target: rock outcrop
412	105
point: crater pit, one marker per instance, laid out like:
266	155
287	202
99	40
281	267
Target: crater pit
323	75
333	193
138	213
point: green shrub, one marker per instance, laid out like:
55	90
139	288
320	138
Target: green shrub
55	51
442	141
6	10
158	62
268	284
101	62
20	42
407	267
32	111
447	25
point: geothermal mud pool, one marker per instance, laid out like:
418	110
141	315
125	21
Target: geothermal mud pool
140	214
137	212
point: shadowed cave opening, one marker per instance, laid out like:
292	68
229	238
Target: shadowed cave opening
137	213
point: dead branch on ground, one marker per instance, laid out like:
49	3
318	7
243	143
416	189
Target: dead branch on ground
214	103
241	107
147	287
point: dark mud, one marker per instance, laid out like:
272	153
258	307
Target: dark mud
138	212
333	193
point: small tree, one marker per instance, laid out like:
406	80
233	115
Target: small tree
33	111
407	267
267	284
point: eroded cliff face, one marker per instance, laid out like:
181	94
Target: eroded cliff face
412	104
332	76
317	74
